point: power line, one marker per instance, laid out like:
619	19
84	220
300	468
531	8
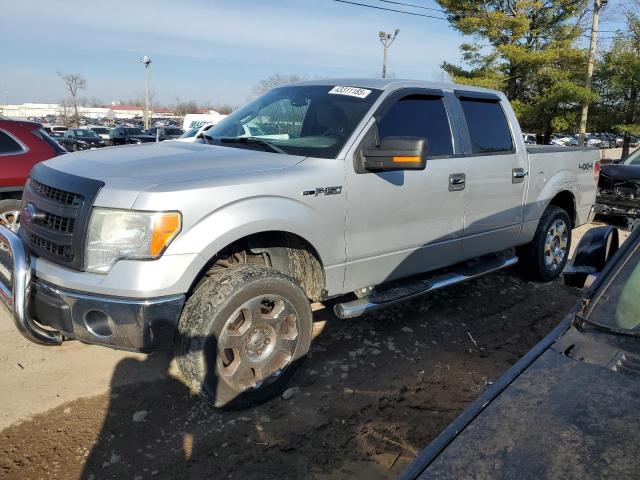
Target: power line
390	9
413	6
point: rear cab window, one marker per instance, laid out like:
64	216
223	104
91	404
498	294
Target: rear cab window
9	145
489	130
420	116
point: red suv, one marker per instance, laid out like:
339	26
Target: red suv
22	145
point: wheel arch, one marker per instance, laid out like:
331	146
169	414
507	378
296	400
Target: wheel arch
566	200
286	252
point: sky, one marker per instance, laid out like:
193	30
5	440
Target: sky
210	51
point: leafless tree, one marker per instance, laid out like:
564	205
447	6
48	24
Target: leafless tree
274	81
223	108
74	82
65	113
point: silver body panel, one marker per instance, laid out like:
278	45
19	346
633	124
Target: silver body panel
381	227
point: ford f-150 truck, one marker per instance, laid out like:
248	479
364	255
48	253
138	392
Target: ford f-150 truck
366	191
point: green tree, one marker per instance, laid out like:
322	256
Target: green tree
618	82
528	49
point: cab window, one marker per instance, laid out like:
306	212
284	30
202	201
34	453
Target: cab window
419	116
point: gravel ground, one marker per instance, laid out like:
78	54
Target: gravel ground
372	393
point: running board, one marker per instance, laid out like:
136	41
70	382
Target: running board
408	291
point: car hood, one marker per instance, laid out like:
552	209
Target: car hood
140	167
621	172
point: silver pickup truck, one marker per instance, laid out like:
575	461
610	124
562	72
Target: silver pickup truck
364	191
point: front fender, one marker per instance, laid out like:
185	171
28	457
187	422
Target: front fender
264	214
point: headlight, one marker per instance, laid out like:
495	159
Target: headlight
126	234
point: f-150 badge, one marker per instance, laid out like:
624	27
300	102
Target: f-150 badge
337	190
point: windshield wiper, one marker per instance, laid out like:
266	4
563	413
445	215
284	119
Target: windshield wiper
250	141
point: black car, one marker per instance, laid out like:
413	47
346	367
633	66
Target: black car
76	139
618	200
129	135
568	408
165	133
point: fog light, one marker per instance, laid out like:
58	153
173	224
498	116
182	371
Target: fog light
98	323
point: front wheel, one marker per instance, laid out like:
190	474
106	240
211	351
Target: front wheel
242	335
10	213
547	254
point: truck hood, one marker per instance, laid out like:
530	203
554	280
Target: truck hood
139	167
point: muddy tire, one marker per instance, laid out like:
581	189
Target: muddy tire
8	212
242	335
545	257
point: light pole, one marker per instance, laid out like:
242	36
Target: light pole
582	129
386	39
146	60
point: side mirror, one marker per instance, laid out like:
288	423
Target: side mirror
397	153
595	249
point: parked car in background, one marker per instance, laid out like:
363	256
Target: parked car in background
618	200
103	132
76	139
529	138
165	133
58	129
569	408
22	145
368	191
195	120
129	135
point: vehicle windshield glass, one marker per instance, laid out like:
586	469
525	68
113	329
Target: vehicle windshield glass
633	159
190	133
84	133
172	131
308	120
133	131
619	306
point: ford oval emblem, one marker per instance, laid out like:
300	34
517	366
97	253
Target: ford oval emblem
28	213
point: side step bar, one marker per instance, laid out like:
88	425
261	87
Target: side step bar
408	291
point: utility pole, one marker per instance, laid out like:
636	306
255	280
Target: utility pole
386	39
597	5
146	60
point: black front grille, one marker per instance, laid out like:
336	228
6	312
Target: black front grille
48	246
62	205
55	194
61	224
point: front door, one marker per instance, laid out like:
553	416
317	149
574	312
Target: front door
401	223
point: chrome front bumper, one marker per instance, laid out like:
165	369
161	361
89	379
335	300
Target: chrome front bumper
15	288
46	314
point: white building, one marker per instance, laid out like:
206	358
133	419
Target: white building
41	110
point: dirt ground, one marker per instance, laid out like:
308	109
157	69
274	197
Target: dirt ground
372	393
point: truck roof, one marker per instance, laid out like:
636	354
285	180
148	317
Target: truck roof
392	84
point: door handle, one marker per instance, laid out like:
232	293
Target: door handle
518	175
457	182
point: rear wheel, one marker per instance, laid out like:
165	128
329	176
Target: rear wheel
547	254
10	213
242	335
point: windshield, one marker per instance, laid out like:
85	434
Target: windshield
172	131
190	133
85	133
133	131
633	159
619	305
312	121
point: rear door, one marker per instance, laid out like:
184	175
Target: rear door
401	223
497	173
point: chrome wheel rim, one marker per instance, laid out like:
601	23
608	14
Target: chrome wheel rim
555	246
10	219
258	342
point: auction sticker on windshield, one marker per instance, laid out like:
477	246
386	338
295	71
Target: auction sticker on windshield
350	91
